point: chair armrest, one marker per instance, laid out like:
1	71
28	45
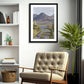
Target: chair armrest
26	68
57	69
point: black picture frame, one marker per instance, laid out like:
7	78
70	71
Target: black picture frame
51	38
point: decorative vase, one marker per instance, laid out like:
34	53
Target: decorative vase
8	20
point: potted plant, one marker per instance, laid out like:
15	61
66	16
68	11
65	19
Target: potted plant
73	40
8	40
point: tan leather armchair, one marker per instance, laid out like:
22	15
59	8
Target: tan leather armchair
49	67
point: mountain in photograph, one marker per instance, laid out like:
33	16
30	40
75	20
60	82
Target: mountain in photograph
43	19
52	15
34	15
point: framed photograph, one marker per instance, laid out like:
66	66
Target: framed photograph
43	22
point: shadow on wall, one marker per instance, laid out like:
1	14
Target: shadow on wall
55	48
82	72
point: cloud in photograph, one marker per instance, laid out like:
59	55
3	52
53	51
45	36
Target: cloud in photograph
47	10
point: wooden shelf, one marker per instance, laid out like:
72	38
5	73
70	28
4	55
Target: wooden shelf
9	46
8	25
8	4
10	51
9	64
16	82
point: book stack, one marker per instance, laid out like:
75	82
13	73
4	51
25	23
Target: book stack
16	17
8	61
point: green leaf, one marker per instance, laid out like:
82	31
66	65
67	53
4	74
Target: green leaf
65	44
66	35
73	34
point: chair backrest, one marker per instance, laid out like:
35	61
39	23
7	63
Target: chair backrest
45	60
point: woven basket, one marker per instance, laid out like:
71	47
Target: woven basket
8	76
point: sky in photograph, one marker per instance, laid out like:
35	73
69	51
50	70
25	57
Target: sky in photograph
47	10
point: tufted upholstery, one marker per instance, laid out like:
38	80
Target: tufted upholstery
46	60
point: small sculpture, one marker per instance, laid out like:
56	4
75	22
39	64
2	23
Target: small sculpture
2	19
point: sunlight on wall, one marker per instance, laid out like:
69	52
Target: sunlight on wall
82	61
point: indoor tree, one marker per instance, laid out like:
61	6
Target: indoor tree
73	39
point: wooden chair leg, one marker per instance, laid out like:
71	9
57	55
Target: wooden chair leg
66	82
21	82
50	82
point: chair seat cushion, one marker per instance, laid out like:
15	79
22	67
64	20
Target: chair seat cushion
40	75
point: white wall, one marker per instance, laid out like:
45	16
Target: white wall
66	13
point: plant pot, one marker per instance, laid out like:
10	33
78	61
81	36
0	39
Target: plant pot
73	79
10	43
